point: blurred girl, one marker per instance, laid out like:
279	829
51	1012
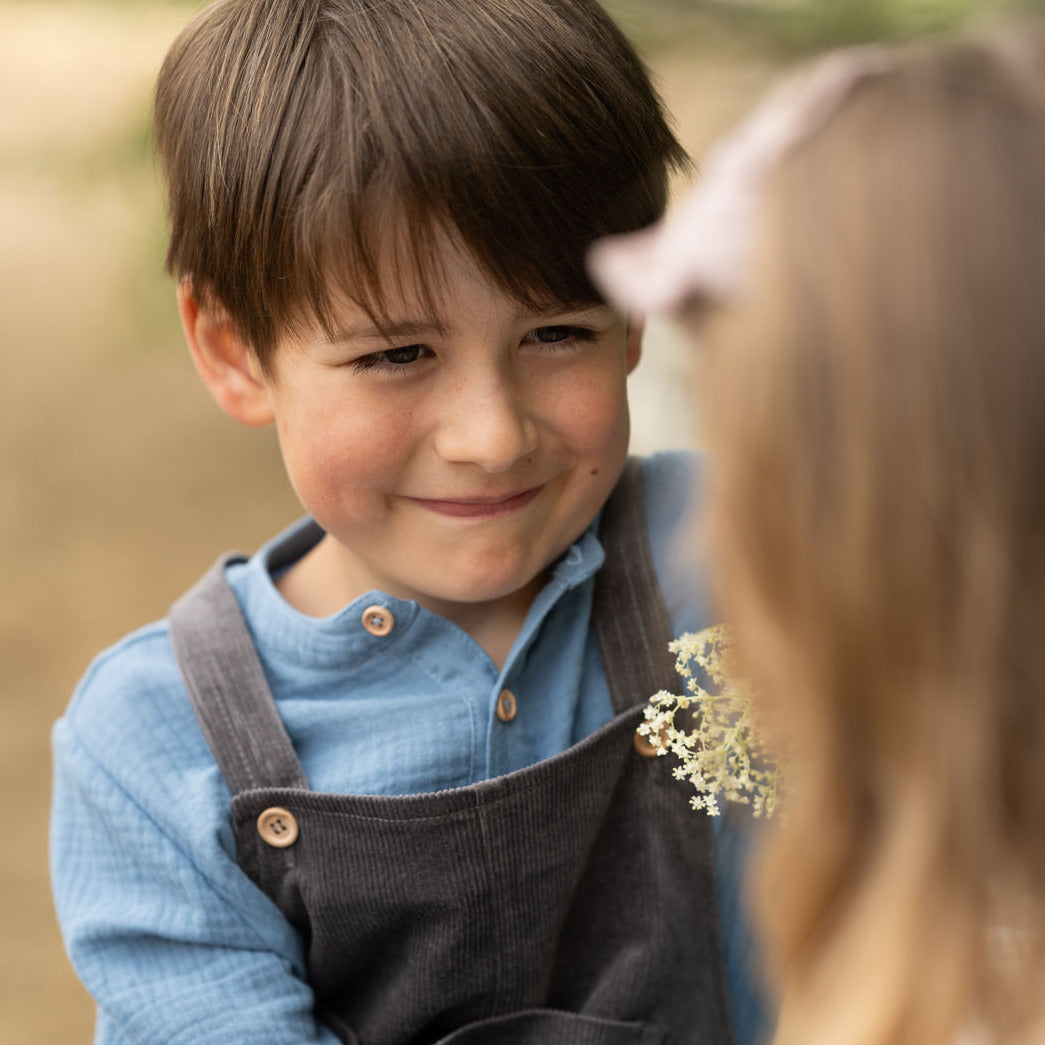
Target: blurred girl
863	267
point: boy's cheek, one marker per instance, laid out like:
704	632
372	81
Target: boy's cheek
334	470
343	436
596	412
329	478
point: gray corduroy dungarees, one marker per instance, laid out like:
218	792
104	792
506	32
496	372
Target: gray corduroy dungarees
569	903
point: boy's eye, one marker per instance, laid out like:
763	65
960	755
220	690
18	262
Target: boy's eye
406	354
552	335
391	358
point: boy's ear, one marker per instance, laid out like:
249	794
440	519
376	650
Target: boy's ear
633	344
225	362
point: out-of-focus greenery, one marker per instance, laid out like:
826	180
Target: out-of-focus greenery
820	23
800	25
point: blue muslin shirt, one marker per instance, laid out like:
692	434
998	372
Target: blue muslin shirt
171	938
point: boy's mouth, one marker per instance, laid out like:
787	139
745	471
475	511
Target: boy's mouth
480	507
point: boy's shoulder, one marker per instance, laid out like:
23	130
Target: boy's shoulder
143	658
130	709
672	482
132	697
671	485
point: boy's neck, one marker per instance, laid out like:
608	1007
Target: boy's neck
318	586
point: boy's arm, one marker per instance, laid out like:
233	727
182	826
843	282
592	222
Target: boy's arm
733	832
175	946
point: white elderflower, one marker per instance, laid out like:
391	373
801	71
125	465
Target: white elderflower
712	731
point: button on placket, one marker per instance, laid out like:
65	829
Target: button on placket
507	707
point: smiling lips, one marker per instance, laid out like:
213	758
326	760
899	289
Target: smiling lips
480	507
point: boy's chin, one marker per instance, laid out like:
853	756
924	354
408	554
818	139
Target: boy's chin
490	590
490	584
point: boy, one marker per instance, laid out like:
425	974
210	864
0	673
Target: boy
421	700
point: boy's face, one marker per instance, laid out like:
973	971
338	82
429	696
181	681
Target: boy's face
456	461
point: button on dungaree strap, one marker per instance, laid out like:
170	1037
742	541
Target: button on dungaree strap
278	827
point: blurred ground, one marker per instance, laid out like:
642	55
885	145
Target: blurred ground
121	480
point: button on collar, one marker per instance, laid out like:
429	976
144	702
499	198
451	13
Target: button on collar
378	620
278	827
507	708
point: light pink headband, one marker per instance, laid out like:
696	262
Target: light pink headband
702	248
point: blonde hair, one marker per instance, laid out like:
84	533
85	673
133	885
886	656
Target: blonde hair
876	412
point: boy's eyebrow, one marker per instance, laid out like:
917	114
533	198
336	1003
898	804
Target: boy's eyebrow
388	332
557	308
420	328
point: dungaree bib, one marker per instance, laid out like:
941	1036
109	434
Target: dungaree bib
569	903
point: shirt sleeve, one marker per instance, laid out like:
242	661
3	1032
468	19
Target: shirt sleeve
733	833
174	948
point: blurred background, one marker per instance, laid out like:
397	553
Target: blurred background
121	480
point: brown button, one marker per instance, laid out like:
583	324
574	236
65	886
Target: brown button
377	620
506	706
645	747
278	827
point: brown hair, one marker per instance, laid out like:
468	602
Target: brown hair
290	133
876	410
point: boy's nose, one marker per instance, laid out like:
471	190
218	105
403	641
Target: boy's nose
486	424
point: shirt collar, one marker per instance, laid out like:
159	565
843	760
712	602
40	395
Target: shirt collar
341	639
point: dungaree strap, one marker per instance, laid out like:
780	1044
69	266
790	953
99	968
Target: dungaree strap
631	625
227	687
